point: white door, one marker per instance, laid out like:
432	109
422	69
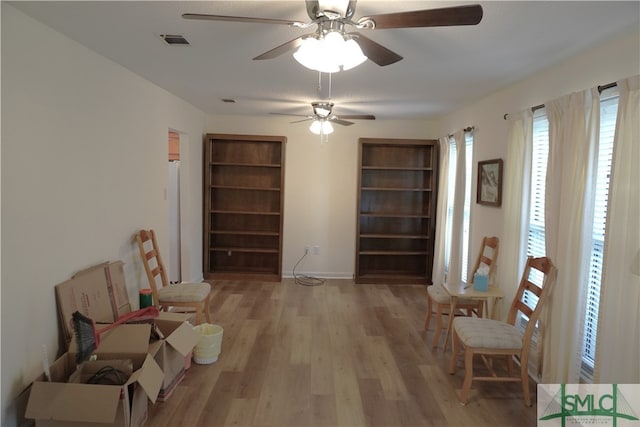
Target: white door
174	272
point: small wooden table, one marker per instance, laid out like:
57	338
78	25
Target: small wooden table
465	290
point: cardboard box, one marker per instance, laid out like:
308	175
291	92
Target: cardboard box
67	401
132	341
128	341
173	349
99	292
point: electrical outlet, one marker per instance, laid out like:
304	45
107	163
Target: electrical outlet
306	250
316	250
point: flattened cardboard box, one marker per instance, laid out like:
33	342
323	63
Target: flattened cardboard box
61	403
118	288
99	292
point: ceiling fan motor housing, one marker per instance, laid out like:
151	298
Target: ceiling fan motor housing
322	109
332	9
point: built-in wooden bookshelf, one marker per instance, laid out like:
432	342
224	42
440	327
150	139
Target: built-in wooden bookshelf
397	195
243	203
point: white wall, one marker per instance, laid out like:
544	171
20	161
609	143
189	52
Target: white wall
84	166
320	195
605	63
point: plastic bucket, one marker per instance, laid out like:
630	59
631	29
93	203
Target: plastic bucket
208	348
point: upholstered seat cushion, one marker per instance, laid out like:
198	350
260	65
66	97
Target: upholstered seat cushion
438	294
487	333
184	292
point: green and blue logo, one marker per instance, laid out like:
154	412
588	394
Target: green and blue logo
588	404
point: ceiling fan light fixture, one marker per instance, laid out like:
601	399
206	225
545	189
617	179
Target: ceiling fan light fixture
327	128
352	55
314	55
316	127
329	53
305	54
333	42
321	127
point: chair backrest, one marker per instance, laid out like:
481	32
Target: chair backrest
532	310
488	255
152	261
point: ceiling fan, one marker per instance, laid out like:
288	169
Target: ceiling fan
323	113
332	16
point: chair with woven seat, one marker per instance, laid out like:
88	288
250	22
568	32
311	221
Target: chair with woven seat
439	299
193	296
491	338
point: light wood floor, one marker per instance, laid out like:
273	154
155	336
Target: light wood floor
339	354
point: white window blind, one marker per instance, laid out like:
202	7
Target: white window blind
450	198
540	155
536	232
608	113
466	232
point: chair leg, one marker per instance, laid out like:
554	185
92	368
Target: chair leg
199	314
438	330
480	308
509	364
455	348
468	375
524	377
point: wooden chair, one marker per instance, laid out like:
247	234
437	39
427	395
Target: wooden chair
195	296
488	337
439	299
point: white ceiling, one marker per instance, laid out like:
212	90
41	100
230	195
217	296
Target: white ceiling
443	68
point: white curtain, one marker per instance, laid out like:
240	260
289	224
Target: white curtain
440	246
517	172
618	339
455	257
573	135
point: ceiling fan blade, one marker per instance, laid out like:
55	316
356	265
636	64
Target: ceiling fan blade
376	52
205	17
357	116
292	115
447	16
284	47
303	120
340	121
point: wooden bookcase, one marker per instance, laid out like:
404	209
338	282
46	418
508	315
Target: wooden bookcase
243	206
397	195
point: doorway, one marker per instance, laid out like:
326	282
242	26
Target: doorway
174	265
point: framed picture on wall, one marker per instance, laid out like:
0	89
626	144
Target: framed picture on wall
489	185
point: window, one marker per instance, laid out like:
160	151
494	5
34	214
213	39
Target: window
540	154
450	199
608	114
536	230
467	202
466	221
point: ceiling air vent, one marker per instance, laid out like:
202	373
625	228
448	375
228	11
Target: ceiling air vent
174	39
